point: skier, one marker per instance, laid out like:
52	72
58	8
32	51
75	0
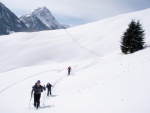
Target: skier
37	89
69	69
48	86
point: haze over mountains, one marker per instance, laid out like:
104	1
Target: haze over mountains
38	20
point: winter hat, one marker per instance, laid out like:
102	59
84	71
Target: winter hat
38	81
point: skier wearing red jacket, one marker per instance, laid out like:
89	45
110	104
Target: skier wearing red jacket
69	69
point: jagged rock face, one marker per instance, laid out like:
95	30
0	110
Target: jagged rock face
47	18
34	23
41	19
9	22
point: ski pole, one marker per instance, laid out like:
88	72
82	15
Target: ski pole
29	102
43	97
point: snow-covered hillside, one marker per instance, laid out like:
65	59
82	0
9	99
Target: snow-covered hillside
103	80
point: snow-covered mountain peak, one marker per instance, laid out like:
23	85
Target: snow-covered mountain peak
43	9
45	16
43	12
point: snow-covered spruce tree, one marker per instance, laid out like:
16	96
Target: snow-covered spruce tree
133	38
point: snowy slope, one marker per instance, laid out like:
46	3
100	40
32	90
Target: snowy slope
102	80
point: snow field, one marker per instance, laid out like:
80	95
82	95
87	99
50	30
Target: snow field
102	80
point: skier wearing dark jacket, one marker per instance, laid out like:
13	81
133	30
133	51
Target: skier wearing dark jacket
37	89
48	86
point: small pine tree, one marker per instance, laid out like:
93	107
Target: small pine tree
133	38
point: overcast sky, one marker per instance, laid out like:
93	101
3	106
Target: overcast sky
75	12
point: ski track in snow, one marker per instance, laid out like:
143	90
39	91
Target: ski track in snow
81	46
94	62
77	68
11	85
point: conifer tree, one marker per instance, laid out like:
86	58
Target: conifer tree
133	38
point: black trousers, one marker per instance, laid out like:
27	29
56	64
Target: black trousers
37	99
49	92
68	72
